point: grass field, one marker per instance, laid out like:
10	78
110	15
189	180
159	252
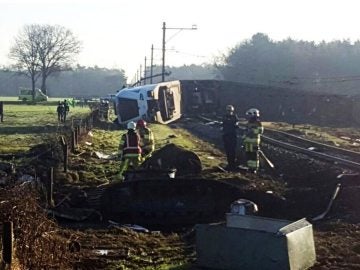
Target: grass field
9	98
27	125
16	98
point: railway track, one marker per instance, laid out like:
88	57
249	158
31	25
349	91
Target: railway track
317	150
344	157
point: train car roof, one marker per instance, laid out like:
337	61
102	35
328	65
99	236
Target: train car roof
137	89
147	87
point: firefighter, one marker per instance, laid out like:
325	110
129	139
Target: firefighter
229	128
129	149
251	139
147	141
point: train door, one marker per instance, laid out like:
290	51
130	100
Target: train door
127	109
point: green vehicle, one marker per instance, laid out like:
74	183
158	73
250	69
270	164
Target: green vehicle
25	94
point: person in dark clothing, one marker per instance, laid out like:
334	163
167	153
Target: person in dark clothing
1	111
229	128
67	109
60	111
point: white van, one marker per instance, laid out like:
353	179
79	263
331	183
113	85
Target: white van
25	94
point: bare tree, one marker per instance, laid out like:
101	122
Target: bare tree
41	50
25	54
57	48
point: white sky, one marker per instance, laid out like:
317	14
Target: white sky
119	33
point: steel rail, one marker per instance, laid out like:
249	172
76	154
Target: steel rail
323	156
343	151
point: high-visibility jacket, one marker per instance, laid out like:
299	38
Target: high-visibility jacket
130	144
147	141
251	138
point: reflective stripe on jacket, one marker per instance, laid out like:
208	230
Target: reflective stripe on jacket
147	139
130	144
252	134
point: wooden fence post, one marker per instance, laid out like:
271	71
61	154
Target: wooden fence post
80	127
7	242
65	152
76	136
78	133
73	141
50	187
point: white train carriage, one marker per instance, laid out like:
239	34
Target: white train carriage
156	102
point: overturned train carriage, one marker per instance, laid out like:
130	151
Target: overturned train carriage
156	102
168	101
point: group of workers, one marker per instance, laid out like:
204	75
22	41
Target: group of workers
250	139
136	145
62	110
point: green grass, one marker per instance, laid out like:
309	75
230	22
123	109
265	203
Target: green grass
16	98
165	266
208	154
9	98
107	142
27	125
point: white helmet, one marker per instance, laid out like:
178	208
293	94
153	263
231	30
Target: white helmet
131	125
253	112
230	108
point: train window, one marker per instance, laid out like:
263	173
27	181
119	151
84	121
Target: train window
141	97
127	109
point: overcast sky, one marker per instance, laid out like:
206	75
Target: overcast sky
119	33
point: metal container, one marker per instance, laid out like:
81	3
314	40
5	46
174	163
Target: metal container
251	242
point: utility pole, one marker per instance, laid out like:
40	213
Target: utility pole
145	72
151	63
140	74
193	27
163	54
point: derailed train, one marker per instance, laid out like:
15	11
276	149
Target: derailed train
164	102
168	101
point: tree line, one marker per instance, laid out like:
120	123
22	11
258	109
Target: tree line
40	52
332	67
78	82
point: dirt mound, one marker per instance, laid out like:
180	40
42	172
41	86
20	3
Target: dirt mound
172	156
